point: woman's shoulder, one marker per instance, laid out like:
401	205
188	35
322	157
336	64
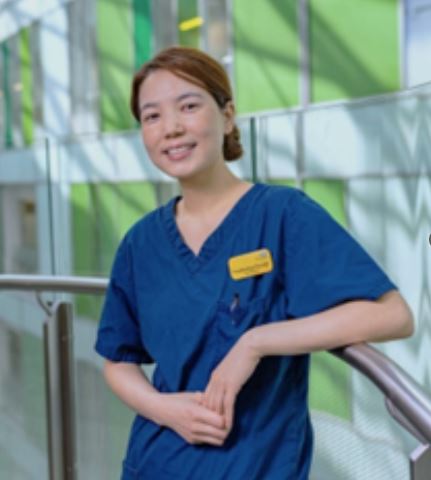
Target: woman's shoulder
284	197
293	206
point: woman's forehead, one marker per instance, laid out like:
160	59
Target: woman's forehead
163	85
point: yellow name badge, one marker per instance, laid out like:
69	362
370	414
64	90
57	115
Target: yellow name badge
250	264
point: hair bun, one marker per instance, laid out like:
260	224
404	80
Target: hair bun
232	148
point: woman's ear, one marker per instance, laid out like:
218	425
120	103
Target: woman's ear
229	116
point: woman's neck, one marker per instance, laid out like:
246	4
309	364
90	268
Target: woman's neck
210	193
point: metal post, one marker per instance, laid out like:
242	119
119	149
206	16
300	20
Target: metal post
420	463
253	145
60	393
304	89
304	52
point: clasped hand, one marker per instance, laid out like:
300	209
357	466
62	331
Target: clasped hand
207	417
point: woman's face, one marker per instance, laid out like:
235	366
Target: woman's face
182	125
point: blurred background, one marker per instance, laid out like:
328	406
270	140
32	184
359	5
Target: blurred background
333	96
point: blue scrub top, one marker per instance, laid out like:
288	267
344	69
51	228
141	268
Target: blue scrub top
166	305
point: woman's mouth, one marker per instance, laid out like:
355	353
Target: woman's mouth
179	152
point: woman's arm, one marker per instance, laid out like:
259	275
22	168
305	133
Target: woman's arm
387	318
131	385
181	412
357	321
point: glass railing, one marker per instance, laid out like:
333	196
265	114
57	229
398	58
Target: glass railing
23	429
87	427
65	205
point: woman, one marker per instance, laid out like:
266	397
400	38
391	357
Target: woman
227	288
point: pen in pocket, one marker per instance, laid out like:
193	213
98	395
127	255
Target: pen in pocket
235	303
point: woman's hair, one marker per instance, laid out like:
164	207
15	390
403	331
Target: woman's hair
196	67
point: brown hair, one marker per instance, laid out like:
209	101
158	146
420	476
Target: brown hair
196	67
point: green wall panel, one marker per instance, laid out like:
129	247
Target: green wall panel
83	221
86	238
288	182
33	388
330	386
266	58
101	215
354	48
330	378
330	194
142	31
116	49
7	95
27	86
188	9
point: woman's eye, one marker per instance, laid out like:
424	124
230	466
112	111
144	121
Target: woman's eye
150	117
189	107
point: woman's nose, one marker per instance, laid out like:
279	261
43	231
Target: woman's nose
172	125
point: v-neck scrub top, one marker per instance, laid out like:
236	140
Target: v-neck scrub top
166	305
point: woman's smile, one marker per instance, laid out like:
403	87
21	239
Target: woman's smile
179	151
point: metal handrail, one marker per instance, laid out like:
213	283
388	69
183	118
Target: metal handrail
406	400
49	283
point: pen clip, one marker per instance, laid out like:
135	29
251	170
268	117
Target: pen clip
235	302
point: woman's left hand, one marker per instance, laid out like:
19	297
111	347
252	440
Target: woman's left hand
228	378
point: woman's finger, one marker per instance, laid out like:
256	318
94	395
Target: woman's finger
228	409
210	440
204	429
215	400
209	417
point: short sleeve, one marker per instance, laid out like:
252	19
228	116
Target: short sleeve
324	265
118	336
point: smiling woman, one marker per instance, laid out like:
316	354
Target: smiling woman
183	128
198	69
227	288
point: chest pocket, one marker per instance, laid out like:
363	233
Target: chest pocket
231	322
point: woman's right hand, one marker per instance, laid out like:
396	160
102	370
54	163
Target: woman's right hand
184	413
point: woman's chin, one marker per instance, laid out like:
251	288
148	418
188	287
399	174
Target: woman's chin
183	174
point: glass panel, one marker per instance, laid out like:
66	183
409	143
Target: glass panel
23	424
369	138
277	147
345	452
23	440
